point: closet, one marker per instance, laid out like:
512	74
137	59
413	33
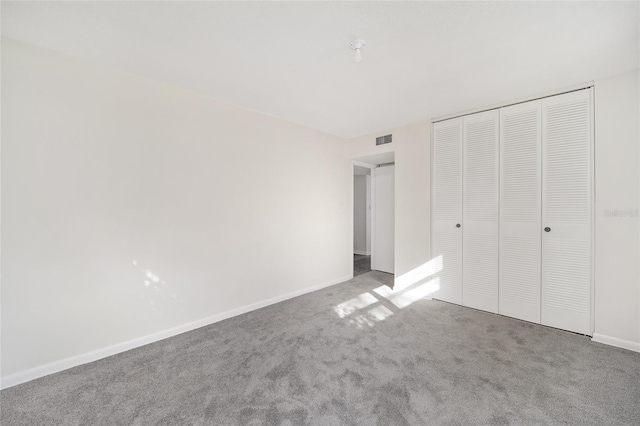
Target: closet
512	210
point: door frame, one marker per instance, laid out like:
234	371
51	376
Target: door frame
370	211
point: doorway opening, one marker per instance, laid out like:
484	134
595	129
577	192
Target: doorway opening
374	214
361	219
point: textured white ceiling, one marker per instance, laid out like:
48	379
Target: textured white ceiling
293	61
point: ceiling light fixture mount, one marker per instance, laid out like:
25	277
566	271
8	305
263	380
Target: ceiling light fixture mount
357	45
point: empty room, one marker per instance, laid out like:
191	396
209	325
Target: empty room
320	213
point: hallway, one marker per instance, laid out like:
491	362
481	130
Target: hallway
361	264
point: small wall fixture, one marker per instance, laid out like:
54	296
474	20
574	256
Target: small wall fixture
357	45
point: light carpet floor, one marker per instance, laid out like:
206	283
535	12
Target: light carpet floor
361	264
345	355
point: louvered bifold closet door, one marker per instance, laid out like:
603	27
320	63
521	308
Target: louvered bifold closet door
520	210
566	211
480	211
447	209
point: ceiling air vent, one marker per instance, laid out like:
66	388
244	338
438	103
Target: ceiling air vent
381	140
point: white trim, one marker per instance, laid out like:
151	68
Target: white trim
367	240
592	293
64	364
431	198
352	210
363	164
614	341
373	219
362	253
515	101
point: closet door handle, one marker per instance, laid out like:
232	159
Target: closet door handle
457	225
547	229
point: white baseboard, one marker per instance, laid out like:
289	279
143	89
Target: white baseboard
64	364
614	341
362	253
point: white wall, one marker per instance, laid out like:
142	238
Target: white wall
617	144
218	207
360	214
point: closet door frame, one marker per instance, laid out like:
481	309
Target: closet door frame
587	85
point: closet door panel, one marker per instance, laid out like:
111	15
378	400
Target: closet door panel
566	211
447	210
520	211
480	211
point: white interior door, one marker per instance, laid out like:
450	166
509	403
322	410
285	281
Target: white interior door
383	256
480	210
566	211
520	210
446	237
